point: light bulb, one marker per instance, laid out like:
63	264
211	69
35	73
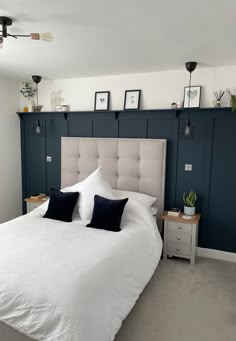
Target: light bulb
42	36
38	130
187	130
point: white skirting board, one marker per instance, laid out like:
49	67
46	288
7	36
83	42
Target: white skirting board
216	254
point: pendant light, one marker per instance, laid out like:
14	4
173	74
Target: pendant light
37	80
190	67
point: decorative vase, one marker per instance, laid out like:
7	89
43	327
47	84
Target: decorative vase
30	105
189	210
179	104
218	105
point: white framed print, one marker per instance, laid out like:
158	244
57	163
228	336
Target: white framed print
101	102
192	96
132	99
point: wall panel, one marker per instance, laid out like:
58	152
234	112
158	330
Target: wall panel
34	158
167	129
221	223
55	128
210	151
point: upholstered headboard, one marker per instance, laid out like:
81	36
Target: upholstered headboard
128	164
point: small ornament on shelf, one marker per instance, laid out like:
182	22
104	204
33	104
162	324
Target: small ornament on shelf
179	104
228	97
218	96
174	212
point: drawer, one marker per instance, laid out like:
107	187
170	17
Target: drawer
175	248
179	227
178	237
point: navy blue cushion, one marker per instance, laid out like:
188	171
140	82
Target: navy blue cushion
61	205
107	213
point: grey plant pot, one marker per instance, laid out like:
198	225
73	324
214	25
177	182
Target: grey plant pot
189	210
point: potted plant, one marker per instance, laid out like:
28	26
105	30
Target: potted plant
233	102
189	202
28	92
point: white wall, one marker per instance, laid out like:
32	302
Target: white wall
10	153
159	89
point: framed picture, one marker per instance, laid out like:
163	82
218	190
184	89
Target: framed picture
192	96
102	99
132	99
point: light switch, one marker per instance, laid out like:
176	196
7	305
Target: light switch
49	159
188	167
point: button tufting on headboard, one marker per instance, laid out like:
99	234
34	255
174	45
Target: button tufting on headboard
129	164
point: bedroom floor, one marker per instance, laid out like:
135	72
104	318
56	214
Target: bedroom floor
185	303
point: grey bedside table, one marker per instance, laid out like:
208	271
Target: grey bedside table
180	236
33	203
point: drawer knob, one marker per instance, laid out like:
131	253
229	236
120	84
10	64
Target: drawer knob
178	238
179	228
178	250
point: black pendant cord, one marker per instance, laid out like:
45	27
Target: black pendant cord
38	107
37	95
38	129
189	93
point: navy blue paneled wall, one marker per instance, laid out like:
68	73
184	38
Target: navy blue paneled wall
210	151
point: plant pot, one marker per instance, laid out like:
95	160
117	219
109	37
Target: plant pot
189	210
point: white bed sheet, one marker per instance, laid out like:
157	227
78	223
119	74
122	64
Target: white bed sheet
62	281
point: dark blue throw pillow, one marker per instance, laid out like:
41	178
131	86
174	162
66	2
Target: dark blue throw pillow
107	213
61	205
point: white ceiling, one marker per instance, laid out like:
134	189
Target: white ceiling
105	37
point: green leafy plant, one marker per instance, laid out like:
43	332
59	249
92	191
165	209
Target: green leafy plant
233	102
27	90
190	199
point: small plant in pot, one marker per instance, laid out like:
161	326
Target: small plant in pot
189	202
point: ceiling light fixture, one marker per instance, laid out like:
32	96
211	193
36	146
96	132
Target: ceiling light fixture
5	22
190	67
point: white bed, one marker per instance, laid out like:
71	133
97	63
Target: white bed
66	282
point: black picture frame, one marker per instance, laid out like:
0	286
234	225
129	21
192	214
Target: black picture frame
195	102
127	100
100	106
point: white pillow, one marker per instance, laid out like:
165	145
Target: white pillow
154	210
95	183
145	199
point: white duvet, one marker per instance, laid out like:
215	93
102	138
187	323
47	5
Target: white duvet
65	282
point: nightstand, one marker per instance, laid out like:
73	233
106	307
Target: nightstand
31	204
180	236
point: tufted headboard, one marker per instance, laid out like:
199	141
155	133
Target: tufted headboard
128	164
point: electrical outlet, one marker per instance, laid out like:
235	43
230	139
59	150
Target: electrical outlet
49	159
188	167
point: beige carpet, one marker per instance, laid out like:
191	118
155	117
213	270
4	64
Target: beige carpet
185	303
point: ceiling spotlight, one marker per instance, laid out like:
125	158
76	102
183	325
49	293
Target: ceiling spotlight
5	22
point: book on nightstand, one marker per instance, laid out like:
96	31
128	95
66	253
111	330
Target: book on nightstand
174	212
38	196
